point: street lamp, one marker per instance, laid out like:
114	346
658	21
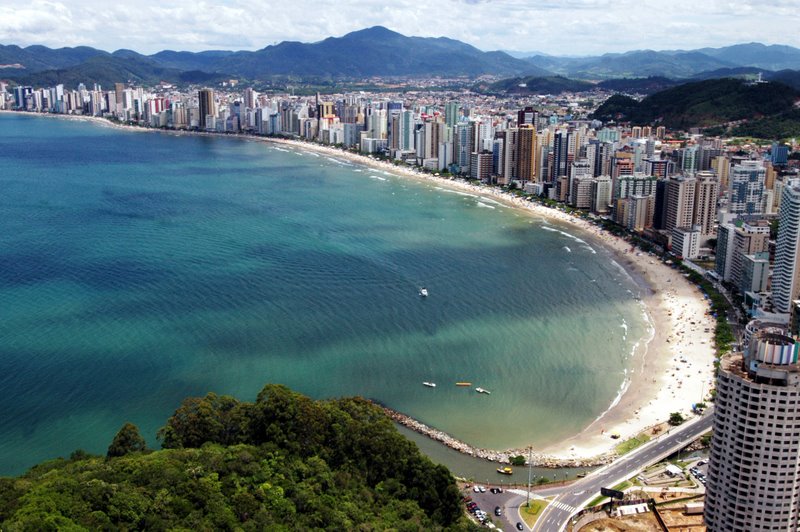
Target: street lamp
528	493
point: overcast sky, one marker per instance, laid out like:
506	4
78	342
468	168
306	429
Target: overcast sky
560	27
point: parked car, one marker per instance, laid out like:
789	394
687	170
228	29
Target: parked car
519	526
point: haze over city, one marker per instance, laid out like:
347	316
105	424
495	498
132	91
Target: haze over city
571	27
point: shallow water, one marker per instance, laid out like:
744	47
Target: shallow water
138	269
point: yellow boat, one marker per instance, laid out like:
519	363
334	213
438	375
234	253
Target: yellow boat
463	384
505	470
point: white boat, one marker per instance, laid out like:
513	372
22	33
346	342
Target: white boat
430	384
482	390
423	292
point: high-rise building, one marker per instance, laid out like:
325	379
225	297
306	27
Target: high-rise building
527	116
705	202
679	202
561	160
746	186
754	464
451	114
526	153
785	282
205	100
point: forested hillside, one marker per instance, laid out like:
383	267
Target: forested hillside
284	462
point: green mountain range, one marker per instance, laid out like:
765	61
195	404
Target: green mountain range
378	51
707	103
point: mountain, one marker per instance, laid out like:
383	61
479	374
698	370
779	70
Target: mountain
774	57
283	462
37	58
702	104
106	70
375	51
635	64
378	51
671	63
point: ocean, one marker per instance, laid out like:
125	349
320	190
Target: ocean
137	269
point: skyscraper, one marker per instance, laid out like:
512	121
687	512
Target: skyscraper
205	100
754	465
679	202
785	285
747	188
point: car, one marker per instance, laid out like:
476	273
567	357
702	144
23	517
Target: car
476	490
519	526
481	489
702	462
494	490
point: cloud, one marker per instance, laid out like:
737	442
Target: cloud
566	27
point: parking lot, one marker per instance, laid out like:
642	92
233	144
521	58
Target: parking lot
484	503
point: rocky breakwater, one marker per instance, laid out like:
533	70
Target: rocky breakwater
503	457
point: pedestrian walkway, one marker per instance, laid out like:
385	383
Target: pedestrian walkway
562	506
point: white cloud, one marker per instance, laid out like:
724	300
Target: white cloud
567	27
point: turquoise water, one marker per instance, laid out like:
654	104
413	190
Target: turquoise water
137	269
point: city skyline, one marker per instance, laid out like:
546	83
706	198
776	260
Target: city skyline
605	27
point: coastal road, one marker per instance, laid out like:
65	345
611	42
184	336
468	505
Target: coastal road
556	515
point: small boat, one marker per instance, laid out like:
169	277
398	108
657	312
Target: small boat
430	384
463	384
505	470
482	390
423	292
581	475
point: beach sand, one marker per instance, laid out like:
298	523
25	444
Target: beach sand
671	370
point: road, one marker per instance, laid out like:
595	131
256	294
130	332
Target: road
556	515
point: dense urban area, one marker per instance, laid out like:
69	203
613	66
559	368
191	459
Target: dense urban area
724	209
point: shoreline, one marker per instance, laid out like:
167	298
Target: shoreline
677	358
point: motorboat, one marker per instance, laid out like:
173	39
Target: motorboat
463	384
423	292
505	470
482	390
430	384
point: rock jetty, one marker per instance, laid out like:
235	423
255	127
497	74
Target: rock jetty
503	457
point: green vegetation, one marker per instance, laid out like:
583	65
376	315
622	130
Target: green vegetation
676	418
631	444
127	441
518	460
537	85
701	104
780	126
284	462
531	513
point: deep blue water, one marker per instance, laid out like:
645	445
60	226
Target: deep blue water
137	269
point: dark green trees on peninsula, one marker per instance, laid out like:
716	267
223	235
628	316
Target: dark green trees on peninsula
284	462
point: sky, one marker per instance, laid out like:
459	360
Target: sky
558	27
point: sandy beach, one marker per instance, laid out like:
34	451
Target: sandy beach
671	370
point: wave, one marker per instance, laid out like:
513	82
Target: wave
377	177
337	161
449	191
573	237
481	204
566	248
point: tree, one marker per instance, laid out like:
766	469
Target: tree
128	440
676	418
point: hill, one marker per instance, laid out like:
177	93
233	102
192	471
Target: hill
647	85
284	462
702	104
781	126
536	85
104	70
